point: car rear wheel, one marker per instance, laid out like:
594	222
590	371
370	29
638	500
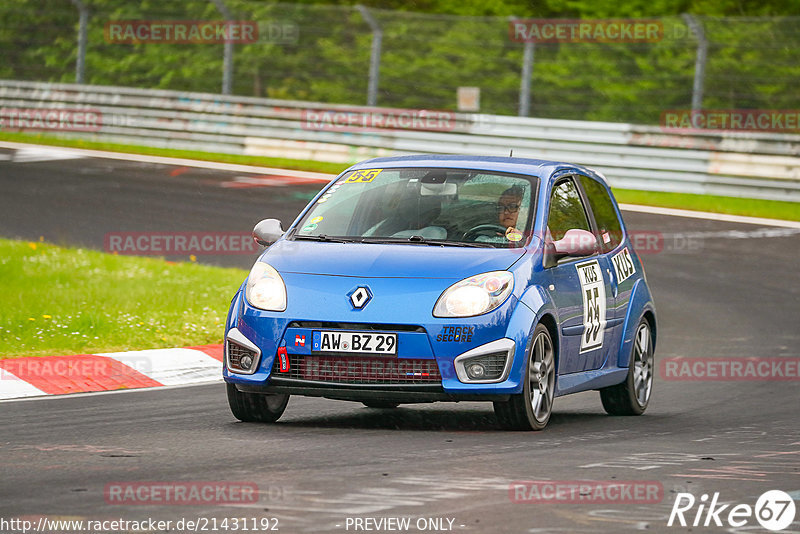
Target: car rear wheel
632	396
531	409
384	405
256	407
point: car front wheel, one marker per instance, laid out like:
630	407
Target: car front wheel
531	409
632	396
256	407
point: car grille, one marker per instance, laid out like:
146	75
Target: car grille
360	370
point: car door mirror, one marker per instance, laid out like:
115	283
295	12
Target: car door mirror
267	232
576	243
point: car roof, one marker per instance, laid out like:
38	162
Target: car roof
535	167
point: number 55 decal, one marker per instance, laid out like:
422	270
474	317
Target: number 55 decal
593	289
363	176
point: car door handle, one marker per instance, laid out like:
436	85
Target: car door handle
614	285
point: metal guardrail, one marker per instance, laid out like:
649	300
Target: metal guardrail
741	164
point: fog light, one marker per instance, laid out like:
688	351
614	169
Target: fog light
476	371
241	354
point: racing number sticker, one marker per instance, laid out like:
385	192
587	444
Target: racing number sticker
623	265
363	176
593	289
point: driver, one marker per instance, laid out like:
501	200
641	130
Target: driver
508	206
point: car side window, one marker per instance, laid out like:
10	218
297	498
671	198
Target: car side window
608	225
566	210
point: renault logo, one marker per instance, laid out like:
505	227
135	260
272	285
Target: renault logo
360	297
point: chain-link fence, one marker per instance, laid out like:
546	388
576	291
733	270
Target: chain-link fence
351	55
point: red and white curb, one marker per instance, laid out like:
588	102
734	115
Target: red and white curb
59	375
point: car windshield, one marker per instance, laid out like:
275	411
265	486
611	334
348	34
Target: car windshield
436	206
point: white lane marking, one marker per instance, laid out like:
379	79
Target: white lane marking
39	153
244	182
233	167
674	212
45	396
171	366
759	233
317	177
390	495
11	387
5	157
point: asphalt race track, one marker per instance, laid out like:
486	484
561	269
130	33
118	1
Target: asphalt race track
722	290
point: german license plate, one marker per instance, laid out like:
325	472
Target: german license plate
361	342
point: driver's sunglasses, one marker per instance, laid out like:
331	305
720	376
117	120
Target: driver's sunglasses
511	208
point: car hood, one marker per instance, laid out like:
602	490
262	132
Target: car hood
387	260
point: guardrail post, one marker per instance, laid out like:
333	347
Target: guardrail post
700	61
83	28
227	54
375	55
525	83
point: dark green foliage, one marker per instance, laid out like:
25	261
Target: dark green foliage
430	48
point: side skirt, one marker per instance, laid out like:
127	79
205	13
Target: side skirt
587	380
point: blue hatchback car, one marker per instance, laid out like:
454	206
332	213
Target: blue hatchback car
446	278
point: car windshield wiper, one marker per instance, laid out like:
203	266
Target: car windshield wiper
419	240
323	237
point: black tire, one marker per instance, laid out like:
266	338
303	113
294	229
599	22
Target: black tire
255	407
632	396
383	405
531	409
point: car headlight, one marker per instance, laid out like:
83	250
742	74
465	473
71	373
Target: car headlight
265	288
475	295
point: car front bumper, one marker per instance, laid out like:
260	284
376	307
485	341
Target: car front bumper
429	365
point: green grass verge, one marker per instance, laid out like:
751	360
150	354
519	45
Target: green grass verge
56	300
281	163
772	209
